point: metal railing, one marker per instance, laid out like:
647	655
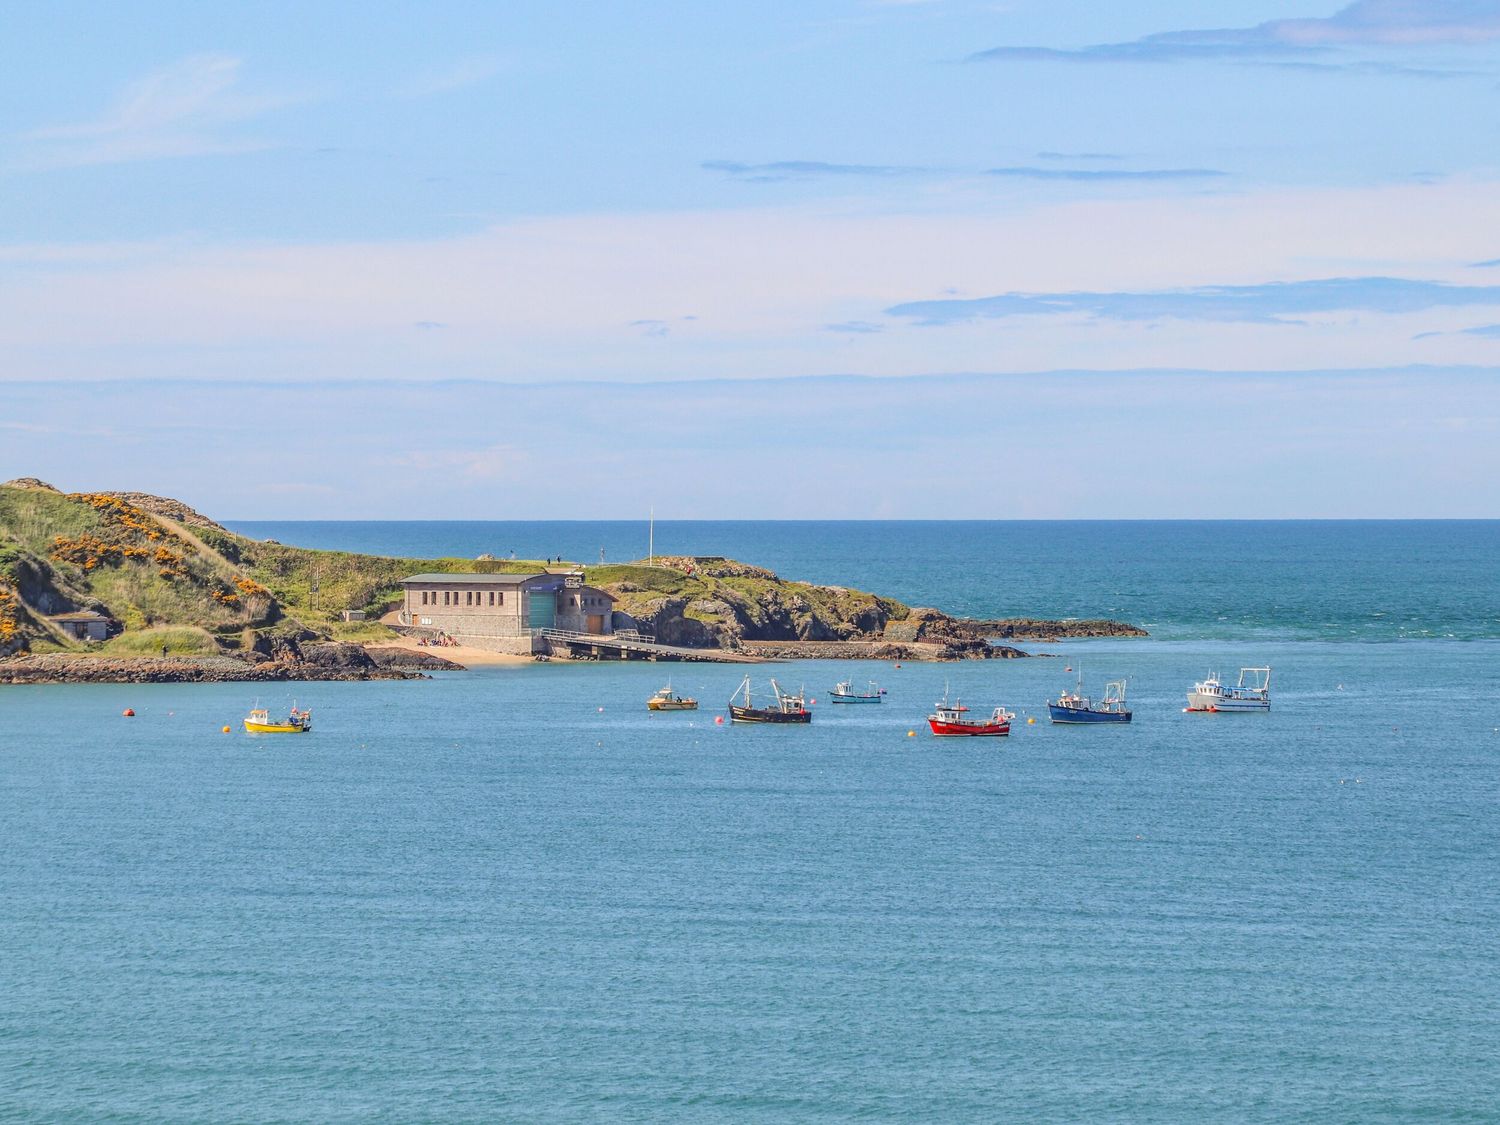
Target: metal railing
623	636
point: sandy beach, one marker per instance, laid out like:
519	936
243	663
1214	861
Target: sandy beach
459	654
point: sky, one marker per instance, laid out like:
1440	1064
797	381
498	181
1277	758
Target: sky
864	258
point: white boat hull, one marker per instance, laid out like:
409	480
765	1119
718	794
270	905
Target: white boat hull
1201	701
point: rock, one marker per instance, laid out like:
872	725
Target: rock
30	482
337	654
395	657
167	507
68	668
284	643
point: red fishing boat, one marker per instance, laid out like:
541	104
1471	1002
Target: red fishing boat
953	718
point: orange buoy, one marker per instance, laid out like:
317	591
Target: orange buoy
911	734
129	712
719	720
226	730
1031	722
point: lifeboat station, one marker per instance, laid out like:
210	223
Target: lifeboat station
534	615
505	612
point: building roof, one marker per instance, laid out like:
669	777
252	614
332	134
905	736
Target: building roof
470	579
81	615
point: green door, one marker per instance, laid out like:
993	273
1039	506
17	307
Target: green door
542	611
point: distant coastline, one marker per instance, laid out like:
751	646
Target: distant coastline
132	587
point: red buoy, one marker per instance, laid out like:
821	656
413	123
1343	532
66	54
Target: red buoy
130	712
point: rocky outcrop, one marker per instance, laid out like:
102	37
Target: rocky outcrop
31	482
879	650
67	668
167	507
406	659
282	643
1034	629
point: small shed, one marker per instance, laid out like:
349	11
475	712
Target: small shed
353	615
85	625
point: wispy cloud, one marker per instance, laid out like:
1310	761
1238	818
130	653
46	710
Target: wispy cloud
1491	264
1364	23
1272	303
855	327
456	76
186	109
1086	175
803	169
492	462
651	327
1079	156
783	170
1488	331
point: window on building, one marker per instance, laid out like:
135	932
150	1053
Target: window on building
445	597
492	597
502	597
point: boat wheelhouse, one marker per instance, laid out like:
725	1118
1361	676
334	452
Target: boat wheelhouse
1252	693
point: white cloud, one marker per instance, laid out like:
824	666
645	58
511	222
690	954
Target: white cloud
186	109
456	76
556	298
494	462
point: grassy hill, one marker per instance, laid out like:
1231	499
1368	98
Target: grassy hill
170	577
61	552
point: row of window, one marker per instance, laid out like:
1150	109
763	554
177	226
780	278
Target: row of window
471	597
476	597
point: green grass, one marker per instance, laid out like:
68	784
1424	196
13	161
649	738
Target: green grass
180	640
358	632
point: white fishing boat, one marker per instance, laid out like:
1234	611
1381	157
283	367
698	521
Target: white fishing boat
846	692
1252	693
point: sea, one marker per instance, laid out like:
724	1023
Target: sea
513	894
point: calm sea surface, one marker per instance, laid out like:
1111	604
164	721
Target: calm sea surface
513	894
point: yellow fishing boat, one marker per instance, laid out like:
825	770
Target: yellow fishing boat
259	721
667	700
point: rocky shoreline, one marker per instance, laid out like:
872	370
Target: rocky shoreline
914	651
326	662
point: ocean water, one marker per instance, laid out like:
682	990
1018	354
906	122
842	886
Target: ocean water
513	894
1302	579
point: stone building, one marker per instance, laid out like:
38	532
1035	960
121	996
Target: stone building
85	625
505	612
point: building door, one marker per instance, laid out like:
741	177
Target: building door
542	611
596	623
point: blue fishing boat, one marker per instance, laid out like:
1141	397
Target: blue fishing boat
1075	707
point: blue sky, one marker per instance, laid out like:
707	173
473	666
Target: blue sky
844	218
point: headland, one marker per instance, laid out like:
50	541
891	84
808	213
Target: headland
132	587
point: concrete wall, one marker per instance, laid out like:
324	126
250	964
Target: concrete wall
476	610
577	604
490	610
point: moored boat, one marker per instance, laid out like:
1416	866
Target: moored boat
1211	695
668	700
844	693
259	721
1075	707
953	719
789	708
